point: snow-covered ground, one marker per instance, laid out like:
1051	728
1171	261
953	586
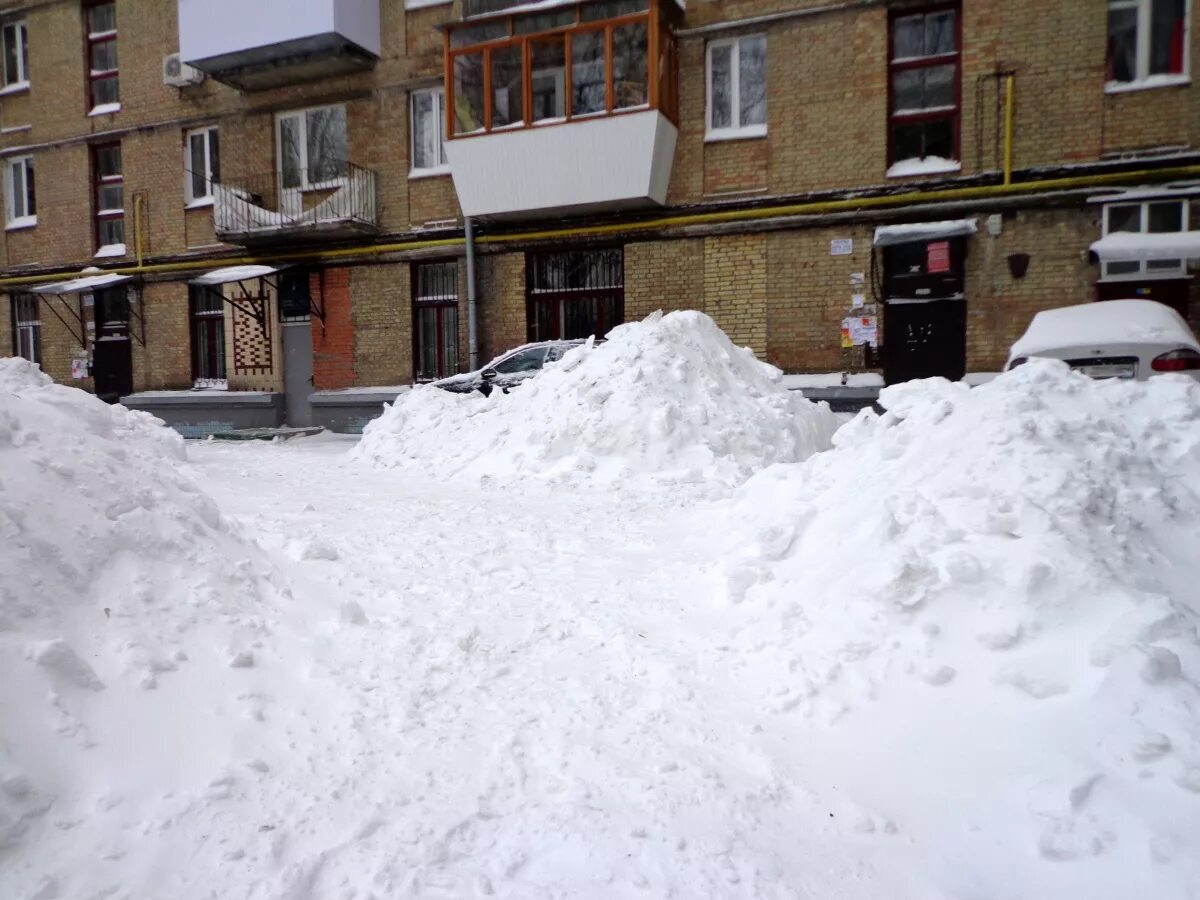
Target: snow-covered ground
955	656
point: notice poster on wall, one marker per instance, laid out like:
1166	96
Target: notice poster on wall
860	330
841	247
79	367
937	257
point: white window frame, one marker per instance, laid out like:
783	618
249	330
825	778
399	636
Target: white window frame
190	198
1144	272
439	111
17	214
1143	79
302	115
22	37
736	130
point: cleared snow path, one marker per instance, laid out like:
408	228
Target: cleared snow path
481	716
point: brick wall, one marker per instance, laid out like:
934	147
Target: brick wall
333	338
382	320
502	323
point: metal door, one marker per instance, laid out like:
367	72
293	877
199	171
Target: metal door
925	340
112	357
298	372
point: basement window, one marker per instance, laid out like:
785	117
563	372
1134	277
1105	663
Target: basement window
1147	43
737	88
924	72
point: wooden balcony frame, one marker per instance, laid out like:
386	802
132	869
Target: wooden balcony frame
662	53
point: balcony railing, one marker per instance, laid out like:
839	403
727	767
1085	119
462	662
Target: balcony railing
332	201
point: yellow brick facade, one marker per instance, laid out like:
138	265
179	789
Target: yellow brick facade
772	285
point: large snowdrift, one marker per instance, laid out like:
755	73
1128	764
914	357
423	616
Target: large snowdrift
670	397
122	592
979	616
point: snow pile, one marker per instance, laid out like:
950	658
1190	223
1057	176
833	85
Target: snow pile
119	577
671	398
978	618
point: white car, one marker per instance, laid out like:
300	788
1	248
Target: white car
1112	339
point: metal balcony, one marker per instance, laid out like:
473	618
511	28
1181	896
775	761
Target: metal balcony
335	203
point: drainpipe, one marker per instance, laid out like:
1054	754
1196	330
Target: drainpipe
472	320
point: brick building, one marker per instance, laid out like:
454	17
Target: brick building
267	200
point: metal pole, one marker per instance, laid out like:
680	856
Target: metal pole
1008	128
472	319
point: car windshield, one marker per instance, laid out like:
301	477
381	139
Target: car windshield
525	361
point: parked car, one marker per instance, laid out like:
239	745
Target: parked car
1112	339
509	370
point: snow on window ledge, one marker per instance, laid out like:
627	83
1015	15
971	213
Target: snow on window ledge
15	88
20	223
930	165
735	134
431	172
199	203
105	109
422	4
1146	84
110	250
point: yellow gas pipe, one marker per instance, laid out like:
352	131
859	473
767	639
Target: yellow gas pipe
859	204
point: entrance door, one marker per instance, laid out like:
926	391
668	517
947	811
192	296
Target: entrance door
298	372
925	340
925	313
112	358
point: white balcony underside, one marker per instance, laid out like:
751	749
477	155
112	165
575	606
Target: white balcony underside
606	163
218	29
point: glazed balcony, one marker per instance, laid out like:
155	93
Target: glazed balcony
332	203
566	109
272	43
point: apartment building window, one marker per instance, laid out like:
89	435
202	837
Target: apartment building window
428	132
924	96
435	319
1147	41
14	44
737	88
1148	217
19	195
312	147
27	327
574	294
207	314
103	80
589	60
109	199
202	164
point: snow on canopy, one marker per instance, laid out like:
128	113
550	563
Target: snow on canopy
982	607
889	235
1128	245
1104	322
667	398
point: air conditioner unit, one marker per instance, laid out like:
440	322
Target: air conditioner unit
176	73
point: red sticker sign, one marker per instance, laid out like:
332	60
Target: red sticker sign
937	257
